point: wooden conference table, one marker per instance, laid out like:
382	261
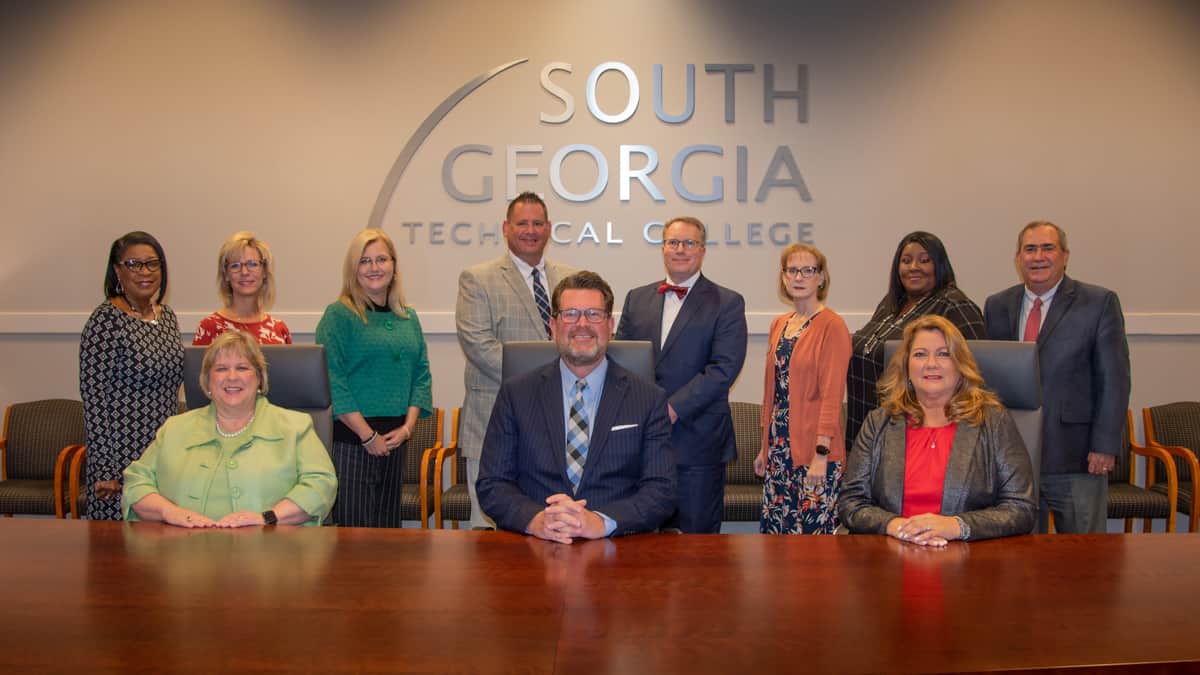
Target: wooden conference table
87	597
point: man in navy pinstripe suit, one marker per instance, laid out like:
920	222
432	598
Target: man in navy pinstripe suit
580	447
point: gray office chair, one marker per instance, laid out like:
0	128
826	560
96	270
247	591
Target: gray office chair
298	377
1010	369
518	358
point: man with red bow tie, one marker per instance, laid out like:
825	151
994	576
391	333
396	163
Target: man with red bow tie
698	330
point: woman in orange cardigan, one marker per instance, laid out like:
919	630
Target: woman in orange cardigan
804	445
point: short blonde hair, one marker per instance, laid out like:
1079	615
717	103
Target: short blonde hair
969	401
822	266
353	295
234	245
242	344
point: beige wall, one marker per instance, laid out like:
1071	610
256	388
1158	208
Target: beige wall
192	120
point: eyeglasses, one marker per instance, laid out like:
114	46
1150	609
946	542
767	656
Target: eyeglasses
686	244
250	265
807	271
573	315
379	260
152	265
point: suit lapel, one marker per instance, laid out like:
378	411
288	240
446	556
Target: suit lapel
1063	299
695	304
516	285
962	452
616	384
552	416
1015	298
656	316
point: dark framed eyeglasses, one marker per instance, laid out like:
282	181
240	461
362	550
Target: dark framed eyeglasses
152	265
806	272
573	315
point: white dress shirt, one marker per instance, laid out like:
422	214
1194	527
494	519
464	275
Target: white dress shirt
672	303
1027	307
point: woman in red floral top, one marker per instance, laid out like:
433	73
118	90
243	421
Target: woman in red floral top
246	282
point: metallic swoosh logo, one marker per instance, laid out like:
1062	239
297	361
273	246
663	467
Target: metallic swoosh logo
419	136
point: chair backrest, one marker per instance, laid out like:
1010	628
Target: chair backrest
1010	369
35	432
427	433
1176	424
747	432
299	380
460	460
1120	472
518	358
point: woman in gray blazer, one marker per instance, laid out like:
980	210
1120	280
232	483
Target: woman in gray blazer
941	458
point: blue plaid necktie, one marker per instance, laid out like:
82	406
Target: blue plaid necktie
577	436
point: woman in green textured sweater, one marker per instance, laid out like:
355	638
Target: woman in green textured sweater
379	377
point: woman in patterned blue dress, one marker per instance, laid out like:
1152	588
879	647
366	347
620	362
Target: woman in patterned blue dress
130	368
803	448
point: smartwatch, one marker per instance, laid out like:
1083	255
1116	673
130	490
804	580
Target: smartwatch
823	450
269	518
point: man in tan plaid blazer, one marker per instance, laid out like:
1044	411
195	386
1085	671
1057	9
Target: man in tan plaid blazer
500	301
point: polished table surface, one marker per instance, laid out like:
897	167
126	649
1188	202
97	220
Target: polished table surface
91	597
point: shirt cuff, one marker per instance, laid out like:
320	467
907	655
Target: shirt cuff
610	525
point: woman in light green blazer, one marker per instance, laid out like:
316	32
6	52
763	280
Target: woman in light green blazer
238	461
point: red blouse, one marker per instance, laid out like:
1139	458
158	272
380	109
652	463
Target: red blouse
926	453
269	331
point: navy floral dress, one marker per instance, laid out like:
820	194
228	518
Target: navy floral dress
789	507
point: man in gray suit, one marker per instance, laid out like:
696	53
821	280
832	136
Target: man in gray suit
1084	360
500	301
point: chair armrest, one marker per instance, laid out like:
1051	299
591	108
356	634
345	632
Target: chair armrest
76	467
438	468
1194	466
423	490
1152	453
1179	451
62	468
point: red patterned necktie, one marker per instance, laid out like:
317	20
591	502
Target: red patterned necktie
1034	323
679	290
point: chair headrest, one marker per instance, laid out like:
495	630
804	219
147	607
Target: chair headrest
518	358
297	376
1008	368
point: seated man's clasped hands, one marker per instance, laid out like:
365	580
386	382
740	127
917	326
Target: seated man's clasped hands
579	447
238	461
564	519
941	458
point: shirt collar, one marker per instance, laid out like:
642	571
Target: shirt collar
594	379
525	268
1030	296
687	283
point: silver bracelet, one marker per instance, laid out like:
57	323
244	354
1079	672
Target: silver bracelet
370	438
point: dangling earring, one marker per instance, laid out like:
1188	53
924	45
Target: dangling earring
120	289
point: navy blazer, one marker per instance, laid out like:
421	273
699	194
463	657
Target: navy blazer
629	475
1084	360
696	366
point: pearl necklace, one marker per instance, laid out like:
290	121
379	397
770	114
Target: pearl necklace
232	434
